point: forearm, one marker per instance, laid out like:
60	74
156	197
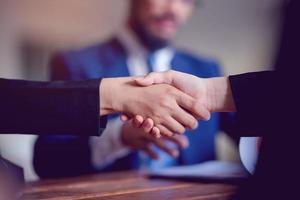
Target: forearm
50	107
219	95
112	95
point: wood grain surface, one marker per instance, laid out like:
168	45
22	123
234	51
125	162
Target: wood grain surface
125	185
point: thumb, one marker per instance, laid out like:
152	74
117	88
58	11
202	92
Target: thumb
145	81
153	78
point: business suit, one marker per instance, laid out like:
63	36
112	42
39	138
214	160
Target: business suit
110	60
271	114
28	107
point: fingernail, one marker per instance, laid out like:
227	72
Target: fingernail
175	154
185	145
195	125
208	117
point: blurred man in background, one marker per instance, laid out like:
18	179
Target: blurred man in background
144	45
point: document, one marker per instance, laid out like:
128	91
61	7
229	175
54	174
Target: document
207	171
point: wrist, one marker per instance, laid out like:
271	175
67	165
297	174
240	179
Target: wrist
114	94
219	95
105	92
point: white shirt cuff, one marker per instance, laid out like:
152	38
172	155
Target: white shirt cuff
109	147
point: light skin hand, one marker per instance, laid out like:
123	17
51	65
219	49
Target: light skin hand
138	138
168	111
145	125
213	93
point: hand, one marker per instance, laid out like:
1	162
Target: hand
213	93
138	138
164	104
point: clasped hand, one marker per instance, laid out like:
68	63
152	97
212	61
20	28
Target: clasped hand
193	102
165	103
209	95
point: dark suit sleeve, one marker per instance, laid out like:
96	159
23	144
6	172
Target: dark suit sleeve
257	102
58	155
50	107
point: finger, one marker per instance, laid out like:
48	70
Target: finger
164	131
154	78
139	144
181	140
124	118
155	132
163	146
150	152
137	121
185	118
201	111
147	125
173	125
195	107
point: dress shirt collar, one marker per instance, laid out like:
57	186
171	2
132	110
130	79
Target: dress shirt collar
137	54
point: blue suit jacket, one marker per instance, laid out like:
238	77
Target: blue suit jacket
57	156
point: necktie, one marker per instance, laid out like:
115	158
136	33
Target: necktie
164	159
150	62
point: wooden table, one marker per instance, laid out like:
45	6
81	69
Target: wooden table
125	185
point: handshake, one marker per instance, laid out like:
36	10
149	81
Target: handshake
165	103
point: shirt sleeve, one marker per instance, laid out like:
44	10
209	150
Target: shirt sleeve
109	146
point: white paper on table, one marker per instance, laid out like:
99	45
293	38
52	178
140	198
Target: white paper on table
211	170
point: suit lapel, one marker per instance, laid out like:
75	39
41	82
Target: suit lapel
118	62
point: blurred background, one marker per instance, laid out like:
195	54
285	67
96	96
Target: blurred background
241	34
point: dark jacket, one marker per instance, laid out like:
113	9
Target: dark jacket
268	104
29	107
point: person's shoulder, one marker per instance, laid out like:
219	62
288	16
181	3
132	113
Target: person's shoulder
86	59
97	50
199	63
196	58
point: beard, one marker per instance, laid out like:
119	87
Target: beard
152	42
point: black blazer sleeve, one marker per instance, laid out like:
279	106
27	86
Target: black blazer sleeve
50	107
264	101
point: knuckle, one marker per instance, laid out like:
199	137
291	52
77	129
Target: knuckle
156	115
157	119
165	102
169	90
